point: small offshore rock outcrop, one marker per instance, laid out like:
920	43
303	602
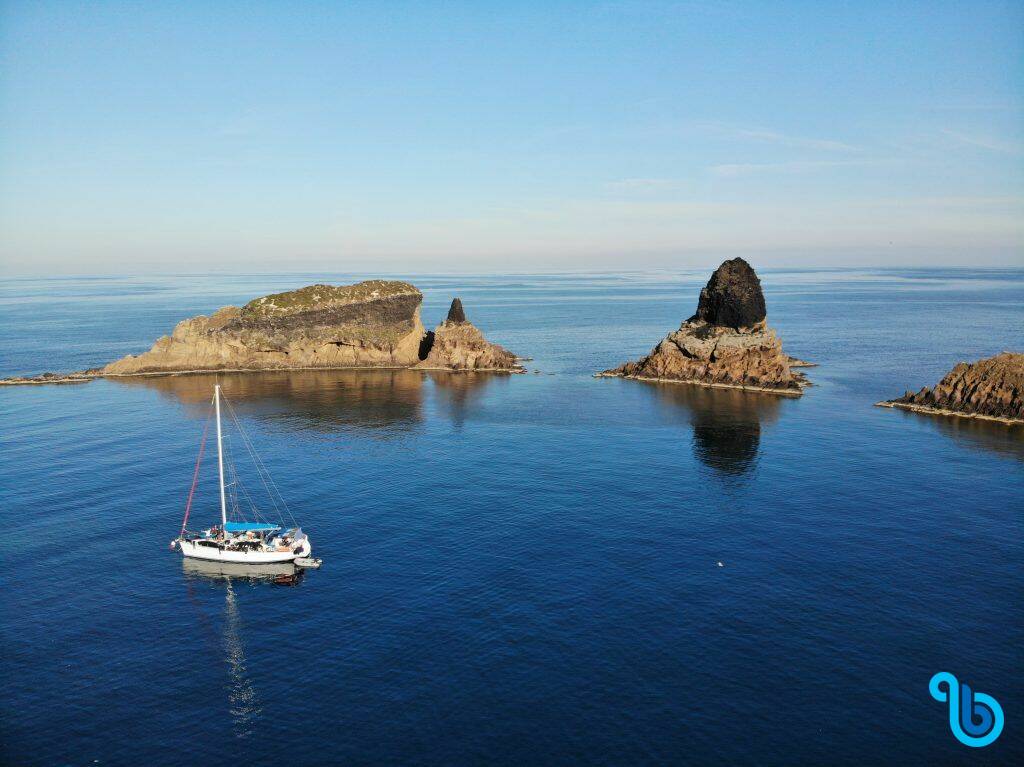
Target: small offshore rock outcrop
725	343
991	389
457	344
49	378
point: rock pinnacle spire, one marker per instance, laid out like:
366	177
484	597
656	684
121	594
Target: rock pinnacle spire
456	314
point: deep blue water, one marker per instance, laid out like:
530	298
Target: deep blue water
519	570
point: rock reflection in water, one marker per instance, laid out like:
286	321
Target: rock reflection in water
324	400
458	393
1002	439
726	422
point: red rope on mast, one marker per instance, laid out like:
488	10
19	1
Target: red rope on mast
195	478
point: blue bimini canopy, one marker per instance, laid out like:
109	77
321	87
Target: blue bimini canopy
256	527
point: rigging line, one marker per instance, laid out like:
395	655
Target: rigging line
252	504
236	481
280	495
260	464
233	476
195	474
255	456
236	485
252	452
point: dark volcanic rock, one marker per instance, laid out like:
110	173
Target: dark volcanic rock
726	343
732	298
990	388
456	314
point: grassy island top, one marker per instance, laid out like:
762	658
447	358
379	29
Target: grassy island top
323	296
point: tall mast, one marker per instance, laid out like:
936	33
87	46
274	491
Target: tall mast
220	463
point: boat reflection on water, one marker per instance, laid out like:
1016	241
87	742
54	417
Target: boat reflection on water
726	423
280	573
243	700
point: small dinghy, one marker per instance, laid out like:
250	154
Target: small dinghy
310	562
246	539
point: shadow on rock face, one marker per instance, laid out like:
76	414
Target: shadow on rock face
389	401
426	344
726	423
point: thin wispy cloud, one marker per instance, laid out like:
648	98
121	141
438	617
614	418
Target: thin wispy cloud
772	137
733	170
642	184
985	142
759	135
981	104
971	203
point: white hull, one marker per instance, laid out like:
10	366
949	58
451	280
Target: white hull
215	554
229	570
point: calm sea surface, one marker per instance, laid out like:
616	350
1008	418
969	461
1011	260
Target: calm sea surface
518	570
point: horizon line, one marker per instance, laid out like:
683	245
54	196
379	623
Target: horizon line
508	273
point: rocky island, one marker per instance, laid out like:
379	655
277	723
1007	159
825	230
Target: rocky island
726	343
456	344
372	324
990	389
369	324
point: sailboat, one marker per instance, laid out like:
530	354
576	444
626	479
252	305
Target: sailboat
242	541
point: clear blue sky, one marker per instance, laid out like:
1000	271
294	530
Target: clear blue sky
496	136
